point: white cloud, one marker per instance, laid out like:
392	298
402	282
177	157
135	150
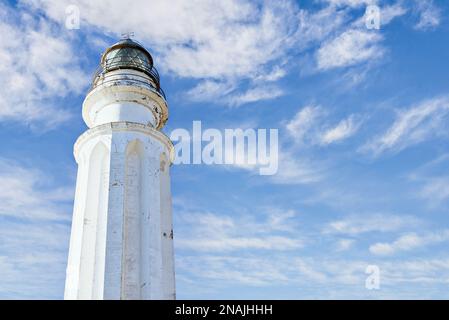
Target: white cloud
26	195
412	126
436	189
308	270
350	48
277	73
295	170
354	225
345	129
344	244
351	3
209	89
389	13
280	220
318	277
433	180
429	15
316	26
230	42
310	126
255	94
38	66
33	258
231	270
303	121
198	39
227	93
409	242
219	43
209	232
34	233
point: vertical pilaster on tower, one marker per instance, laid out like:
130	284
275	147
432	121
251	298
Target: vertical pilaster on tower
121	244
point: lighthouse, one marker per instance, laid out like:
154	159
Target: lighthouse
121	244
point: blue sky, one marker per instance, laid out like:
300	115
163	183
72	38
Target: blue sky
364	149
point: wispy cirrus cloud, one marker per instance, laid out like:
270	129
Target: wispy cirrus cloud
365	223
343	130
430	15
350	48
311	126
223	235
303	121
209	89
436	189
229	94
432	180
409	242
412	126
33	257
34	232
333	277
27	195
256	94
344	244
351	3
298	170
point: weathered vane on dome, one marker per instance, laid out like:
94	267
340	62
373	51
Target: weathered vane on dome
127	35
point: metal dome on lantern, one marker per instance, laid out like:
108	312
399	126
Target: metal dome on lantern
131	55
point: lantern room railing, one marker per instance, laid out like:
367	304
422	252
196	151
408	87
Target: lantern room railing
102	73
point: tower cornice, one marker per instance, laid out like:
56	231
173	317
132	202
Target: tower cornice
109	128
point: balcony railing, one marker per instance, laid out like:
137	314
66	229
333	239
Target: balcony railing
102	73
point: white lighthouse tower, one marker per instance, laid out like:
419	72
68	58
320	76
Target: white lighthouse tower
121	245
